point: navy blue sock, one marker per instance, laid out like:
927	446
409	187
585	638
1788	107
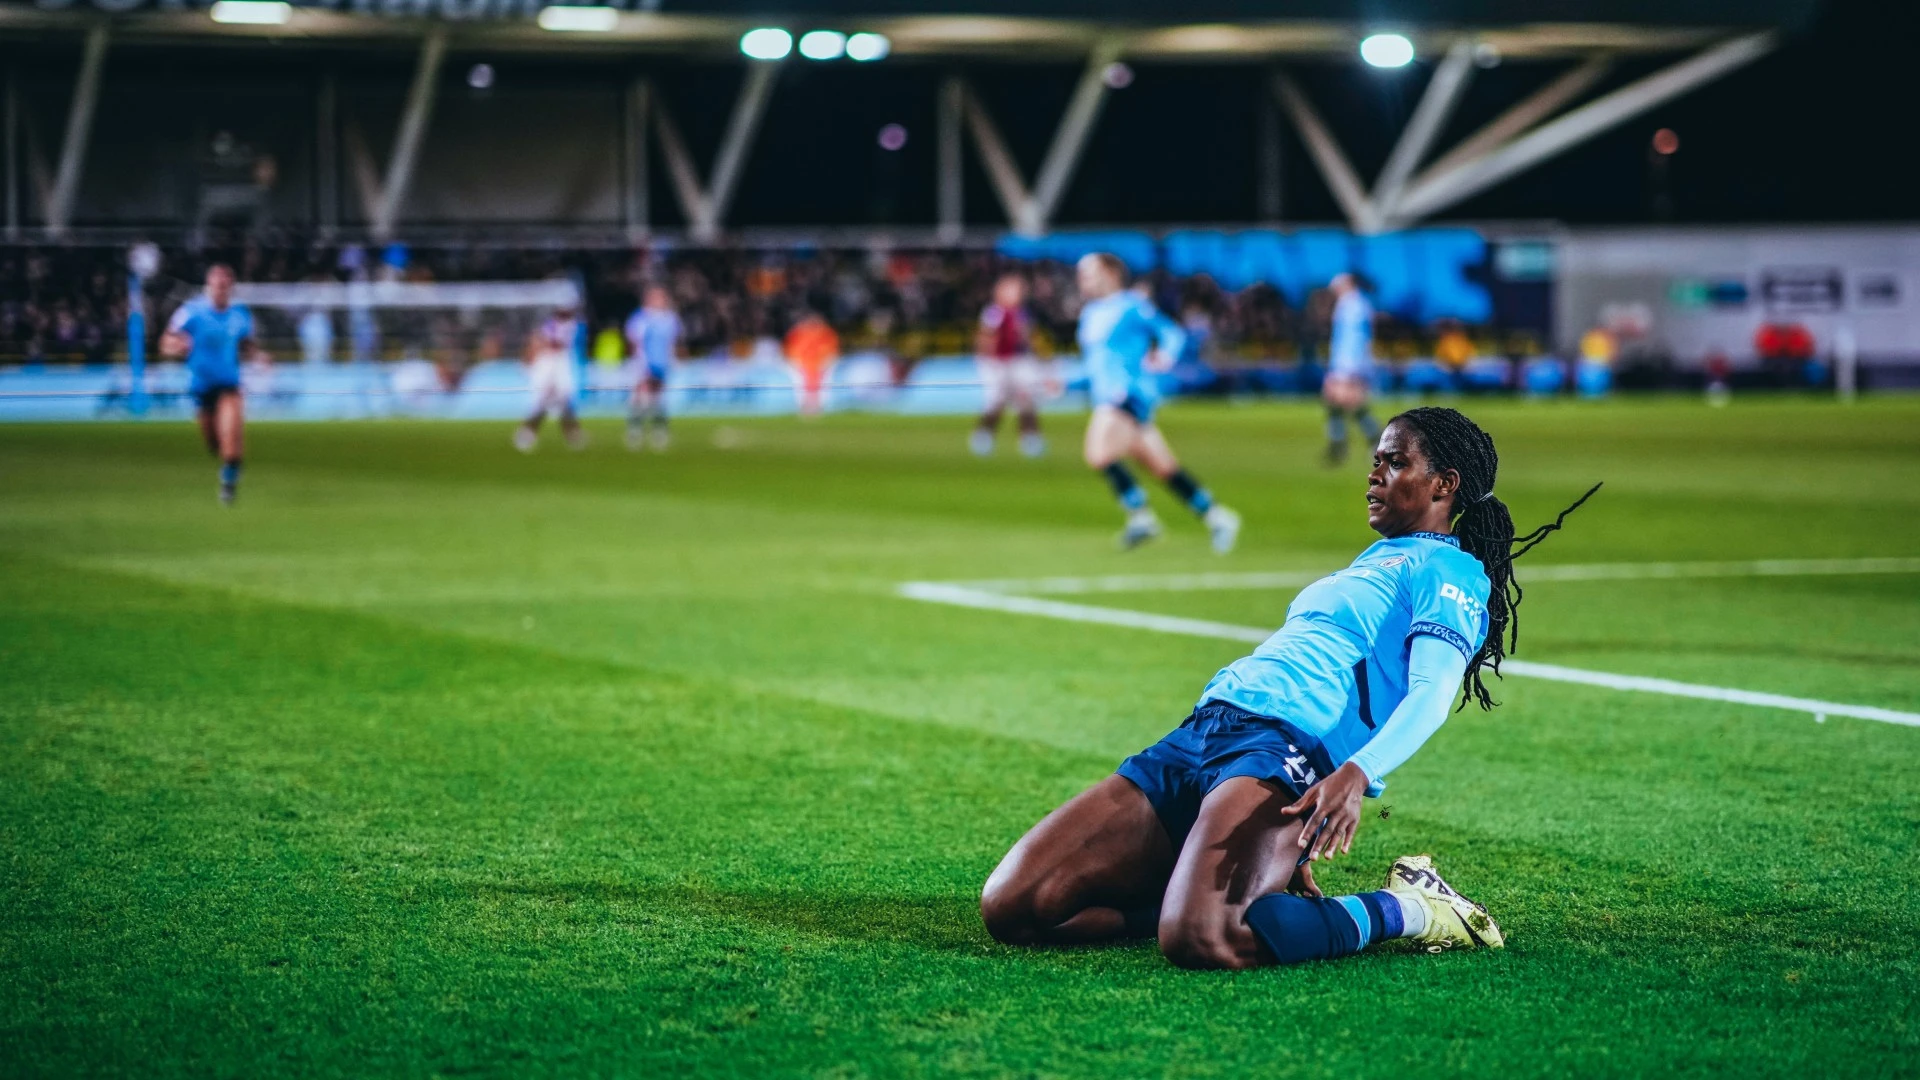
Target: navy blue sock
1367	426
1125	487
1198	499
1300	928
1336	426
230	472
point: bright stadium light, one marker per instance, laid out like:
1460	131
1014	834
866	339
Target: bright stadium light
568	19
766	43
252	12
864	47
1387	50
823	44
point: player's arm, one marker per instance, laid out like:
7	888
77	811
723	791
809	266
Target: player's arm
983	338
175	342
1434	670
1169	340
250	348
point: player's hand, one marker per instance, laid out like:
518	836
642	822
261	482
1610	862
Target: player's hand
1329	812
1303	883
174	344
1158	360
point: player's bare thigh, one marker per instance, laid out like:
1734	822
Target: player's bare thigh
1344	391
1111	436
1073	876
1240	849
229	424
1150	449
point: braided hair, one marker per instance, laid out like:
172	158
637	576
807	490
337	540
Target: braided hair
1484	527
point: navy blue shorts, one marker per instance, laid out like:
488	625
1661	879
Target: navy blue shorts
206	397
1216	743
1137	407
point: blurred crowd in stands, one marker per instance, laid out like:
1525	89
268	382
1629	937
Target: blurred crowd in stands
70	304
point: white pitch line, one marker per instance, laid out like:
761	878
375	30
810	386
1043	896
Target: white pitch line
1293	579
964	596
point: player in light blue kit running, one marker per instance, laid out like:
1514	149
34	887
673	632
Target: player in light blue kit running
653	332
1124	339
1207	838
1349	378
215	334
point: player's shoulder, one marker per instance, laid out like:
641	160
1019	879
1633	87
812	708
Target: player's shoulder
1446	562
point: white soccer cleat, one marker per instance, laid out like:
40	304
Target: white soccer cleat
659	440
1223	527
1453	921
525	439
1033	444
980	442
1142	526
636	436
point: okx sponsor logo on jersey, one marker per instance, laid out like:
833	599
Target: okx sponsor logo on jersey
1467	603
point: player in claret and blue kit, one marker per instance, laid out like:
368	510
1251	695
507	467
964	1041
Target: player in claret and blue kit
1208	838
215	334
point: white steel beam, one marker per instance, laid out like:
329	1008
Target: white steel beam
1270	182
951	195
748	109
1070	138
12	136
681	172
1472	177
326	154
1002	171
73	151
633	135
1327	156
366	175
1436	104
413	129
1536	107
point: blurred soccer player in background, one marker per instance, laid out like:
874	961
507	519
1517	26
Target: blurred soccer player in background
1125	341
213	334
554	376
1349	366
653	333
1009	372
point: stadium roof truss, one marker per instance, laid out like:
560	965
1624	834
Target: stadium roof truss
1530	131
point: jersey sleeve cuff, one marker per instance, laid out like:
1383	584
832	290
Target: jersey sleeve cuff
1445	633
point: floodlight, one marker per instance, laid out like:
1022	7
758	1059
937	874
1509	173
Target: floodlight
480	76
893	137
766	43
823	44
252	12
567	18
865	47
1387	50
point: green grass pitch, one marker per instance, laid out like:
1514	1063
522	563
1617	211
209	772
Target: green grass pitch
433	759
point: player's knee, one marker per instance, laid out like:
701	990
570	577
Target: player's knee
1006	907
1197	947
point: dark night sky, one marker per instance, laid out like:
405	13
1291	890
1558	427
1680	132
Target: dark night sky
1821	130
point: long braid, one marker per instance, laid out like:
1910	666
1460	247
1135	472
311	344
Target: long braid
1484	527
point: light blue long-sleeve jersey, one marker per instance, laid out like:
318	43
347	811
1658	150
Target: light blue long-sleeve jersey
214	359
1352	667
1117	332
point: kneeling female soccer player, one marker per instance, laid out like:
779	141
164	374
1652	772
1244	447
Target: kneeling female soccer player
1208	837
